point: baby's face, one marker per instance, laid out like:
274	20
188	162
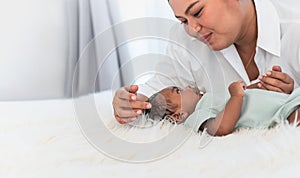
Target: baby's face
181	102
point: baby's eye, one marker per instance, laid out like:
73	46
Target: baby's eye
178	90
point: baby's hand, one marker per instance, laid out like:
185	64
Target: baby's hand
237	88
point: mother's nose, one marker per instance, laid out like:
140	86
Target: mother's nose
194	25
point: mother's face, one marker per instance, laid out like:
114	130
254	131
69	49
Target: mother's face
217	23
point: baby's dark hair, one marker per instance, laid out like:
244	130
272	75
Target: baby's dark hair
159	106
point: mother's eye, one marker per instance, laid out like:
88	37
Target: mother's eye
198	12
183	22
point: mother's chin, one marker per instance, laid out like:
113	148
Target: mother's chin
218	45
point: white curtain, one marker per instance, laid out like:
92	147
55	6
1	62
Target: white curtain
60	46
86	19
104	39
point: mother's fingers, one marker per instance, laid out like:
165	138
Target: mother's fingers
131	88
133	104
261	86
276	68
270	87
125	120
125	95
276	84
126	113
280	76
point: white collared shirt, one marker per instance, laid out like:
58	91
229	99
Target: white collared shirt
190	62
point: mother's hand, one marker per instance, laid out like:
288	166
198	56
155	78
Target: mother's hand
276	80
128	105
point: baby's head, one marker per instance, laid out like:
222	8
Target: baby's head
174	103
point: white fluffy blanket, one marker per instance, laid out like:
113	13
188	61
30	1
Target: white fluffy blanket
47	139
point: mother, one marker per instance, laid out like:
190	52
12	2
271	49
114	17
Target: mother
248	39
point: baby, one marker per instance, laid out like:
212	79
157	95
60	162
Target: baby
245	108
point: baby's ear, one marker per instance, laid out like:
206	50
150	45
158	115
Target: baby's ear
183	116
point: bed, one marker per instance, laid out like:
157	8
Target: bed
79	138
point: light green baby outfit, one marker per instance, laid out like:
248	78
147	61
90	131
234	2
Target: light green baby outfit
260	109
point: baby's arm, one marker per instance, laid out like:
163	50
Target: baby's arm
226	120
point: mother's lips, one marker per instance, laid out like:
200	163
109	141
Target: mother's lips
206	38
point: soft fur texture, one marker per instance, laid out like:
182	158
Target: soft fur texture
43	139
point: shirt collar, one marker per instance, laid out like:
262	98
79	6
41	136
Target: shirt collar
268	27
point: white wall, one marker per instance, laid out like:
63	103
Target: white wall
33	49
